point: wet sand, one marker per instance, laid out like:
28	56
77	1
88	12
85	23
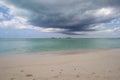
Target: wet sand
103	64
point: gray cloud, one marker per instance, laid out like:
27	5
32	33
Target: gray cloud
72	15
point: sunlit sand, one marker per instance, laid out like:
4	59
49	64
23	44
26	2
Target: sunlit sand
102	64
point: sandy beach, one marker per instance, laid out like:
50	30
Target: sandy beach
102	64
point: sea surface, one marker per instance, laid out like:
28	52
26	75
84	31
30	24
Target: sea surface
41	45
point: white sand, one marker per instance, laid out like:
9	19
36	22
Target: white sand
101	64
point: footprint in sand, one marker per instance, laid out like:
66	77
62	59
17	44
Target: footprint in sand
33	79
52	70
97	76
77	76
60	73
12	78
22	71
110	71
29	75
74	69
93	73
55	76
61	69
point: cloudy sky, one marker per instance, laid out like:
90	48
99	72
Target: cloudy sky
59	18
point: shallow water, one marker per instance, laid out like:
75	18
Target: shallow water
40	45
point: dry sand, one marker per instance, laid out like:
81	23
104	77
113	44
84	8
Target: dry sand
101	64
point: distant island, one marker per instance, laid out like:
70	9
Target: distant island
61	37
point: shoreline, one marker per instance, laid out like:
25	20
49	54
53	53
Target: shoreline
98	64
56	53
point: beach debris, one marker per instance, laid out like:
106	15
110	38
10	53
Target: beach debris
29	75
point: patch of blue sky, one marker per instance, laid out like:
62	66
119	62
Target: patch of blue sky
6	15
25	33
111	25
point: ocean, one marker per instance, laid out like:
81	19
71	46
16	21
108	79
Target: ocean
41	45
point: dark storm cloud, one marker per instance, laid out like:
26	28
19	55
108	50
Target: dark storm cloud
72	15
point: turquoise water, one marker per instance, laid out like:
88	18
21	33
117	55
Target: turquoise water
39	45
